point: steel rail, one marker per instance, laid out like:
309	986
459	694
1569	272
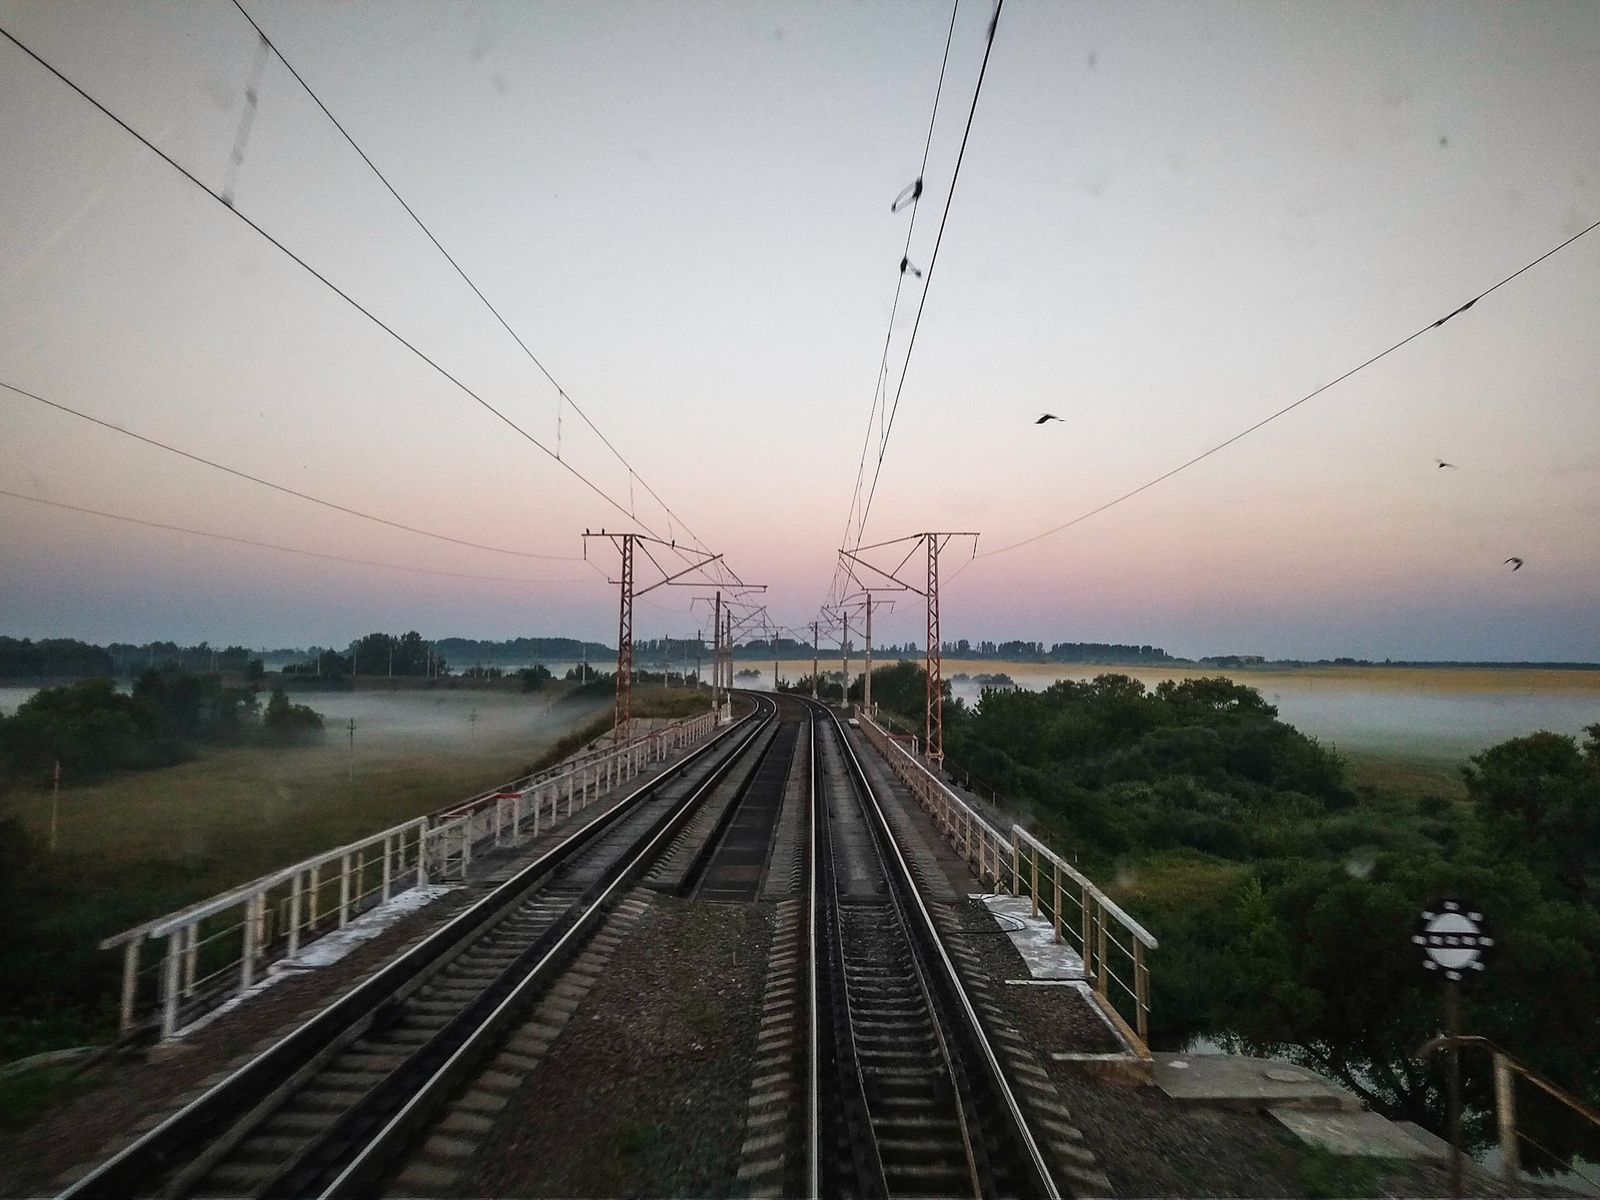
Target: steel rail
248	1090
371	1162
902	881
813	1071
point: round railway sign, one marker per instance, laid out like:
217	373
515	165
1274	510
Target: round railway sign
1455	939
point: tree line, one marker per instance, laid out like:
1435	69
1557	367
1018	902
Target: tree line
1285	897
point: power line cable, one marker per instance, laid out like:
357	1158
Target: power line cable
1288	408
225	537
325	281
533	358
927	281
901	202
278	487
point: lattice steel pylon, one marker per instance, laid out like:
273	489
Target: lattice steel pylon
626	544
622	721
933	654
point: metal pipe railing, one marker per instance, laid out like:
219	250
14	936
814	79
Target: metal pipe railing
222	945
1080	914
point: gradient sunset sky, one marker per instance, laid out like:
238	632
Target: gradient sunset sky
1173	219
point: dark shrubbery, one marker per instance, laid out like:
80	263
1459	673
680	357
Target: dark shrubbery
286	722
90	728
1284	899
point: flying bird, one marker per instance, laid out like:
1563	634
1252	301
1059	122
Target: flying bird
1047	417
1443	464
1518	561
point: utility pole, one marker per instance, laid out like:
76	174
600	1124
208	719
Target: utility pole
816	664
622	721
55	806
866	679
626	544
844	657
933	661
391	658
716	655
352	765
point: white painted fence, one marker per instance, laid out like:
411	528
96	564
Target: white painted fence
1111	943
221	946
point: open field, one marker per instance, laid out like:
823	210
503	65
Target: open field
235	813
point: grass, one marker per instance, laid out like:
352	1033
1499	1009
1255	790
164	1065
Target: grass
27	1094
1408	776
139	844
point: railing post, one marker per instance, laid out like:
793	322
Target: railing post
311	897
1505	1116
294	915
1100	980
169	985
1055	876
422	853
466	848
1034	881
191	956
1088	927
1016	867
361	880
1141	991
344	890
130	979
247	961
388	866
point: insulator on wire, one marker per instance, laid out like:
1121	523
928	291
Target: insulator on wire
908	195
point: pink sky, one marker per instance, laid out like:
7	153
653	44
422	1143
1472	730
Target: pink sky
1172	220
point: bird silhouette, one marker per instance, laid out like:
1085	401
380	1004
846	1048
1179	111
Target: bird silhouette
1518	561
1047	417
1443	464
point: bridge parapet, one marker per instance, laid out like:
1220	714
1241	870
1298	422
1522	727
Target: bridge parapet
222	946
1112	944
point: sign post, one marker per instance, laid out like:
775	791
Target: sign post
1454	940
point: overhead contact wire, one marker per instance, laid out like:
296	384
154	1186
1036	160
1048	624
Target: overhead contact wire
410	212
927	281
900	280
278	487
242	541
1288	408
326	282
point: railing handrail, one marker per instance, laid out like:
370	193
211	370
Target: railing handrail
163	925
942	786
1534	1077
1105	901
159	926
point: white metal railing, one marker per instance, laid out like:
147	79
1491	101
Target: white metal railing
1111	943
221	946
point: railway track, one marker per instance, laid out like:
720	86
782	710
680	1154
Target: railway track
736	855
332	1108
907	1096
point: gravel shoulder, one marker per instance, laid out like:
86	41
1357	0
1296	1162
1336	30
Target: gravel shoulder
645	1091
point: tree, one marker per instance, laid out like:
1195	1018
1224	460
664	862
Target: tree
1543	790
285	721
